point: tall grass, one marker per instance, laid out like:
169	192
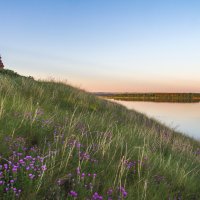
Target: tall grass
58	142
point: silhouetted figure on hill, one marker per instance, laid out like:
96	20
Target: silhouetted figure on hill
1	64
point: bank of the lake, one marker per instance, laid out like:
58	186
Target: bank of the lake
59	142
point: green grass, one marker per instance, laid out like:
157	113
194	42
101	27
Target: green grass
88	145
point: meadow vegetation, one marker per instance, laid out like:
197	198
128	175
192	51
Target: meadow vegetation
59	142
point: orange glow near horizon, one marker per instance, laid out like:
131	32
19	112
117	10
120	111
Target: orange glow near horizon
139	84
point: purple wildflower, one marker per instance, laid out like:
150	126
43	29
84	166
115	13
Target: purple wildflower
19	154
44	168
31	176
5	166
73	194
84	156
94	175
96	196
14	169
110	191
78	170
123	192
78	145
82	175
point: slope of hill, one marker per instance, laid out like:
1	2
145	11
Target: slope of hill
58	142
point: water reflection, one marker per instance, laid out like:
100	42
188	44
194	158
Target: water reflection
184	117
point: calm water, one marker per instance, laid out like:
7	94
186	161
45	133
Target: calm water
184	117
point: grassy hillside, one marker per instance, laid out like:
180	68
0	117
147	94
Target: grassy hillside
58	142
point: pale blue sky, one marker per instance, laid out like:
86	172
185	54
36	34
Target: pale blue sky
105	45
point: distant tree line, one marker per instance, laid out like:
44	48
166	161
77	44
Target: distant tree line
155	97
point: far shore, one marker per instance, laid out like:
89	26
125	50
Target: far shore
153	97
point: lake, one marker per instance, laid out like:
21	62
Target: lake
183	117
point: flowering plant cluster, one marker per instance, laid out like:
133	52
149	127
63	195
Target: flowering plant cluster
87	182
22	168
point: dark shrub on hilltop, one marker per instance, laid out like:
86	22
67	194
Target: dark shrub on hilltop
9	72
13	74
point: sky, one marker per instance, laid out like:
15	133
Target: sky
105	45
